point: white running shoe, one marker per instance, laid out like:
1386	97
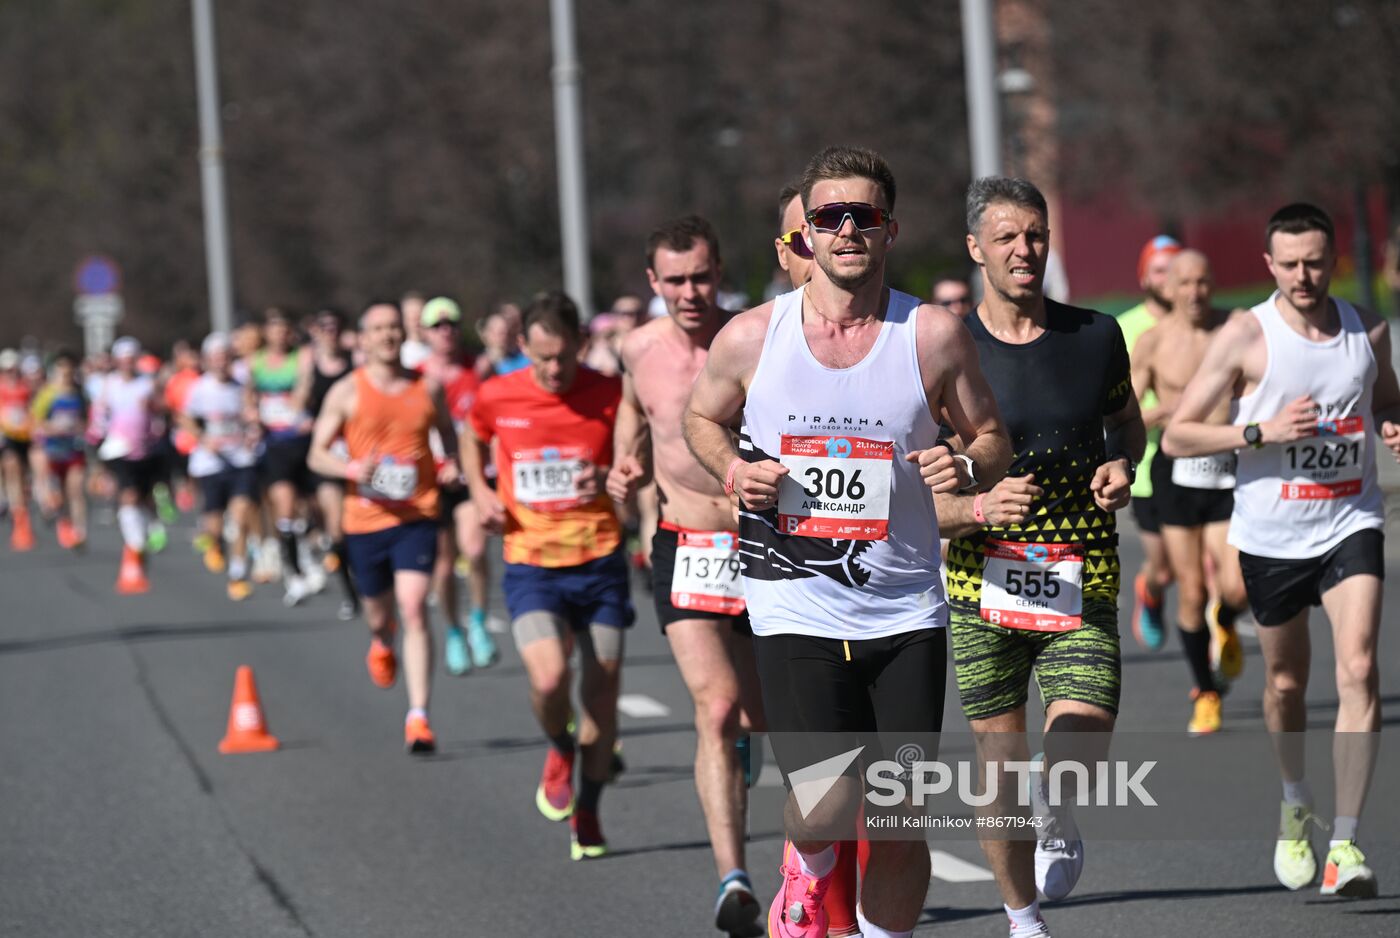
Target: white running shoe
1059	850
297	590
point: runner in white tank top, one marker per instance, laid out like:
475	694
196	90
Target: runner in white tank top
1312	382
841	385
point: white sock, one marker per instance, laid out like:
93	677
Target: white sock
1297	793
132	521
1024	918
416	712
817	865
238	568
1343	830
875	931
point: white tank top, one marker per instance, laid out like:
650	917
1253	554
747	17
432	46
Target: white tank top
1295	501
851	549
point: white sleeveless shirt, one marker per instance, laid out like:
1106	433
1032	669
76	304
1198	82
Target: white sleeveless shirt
851	549
1295	501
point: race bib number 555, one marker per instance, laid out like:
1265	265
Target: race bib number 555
837	486
1033	586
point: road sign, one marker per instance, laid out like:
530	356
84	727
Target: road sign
97	307
97	274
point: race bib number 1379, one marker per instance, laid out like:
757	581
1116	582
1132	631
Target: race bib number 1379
836	486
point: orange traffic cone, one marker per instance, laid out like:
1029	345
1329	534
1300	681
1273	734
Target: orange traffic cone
132	576
22	537
247	730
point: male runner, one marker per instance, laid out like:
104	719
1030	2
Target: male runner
59	413
320	370
453	369
1033	576
694	553
415	348
222	462
840	569
386	413
1310	384
184	371
500	339
565	579
123	421
1151	582
270	392
15	396
953	295
1193	498
794	256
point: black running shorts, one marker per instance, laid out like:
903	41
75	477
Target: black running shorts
1280	589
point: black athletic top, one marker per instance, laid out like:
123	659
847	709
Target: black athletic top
1054	393
321	383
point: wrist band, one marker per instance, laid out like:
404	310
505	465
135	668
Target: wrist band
729	475
352	469
977	508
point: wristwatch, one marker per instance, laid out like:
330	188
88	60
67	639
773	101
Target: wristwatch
1254	436
971	475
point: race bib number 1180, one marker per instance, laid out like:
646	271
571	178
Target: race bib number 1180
836	486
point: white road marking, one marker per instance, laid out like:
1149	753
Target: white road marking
953	869
640	706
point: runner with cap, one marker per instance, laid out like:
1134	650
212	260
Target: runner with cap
223	462
1310	385
1151	582
695	552
15	397
841	386
60	414
566	577
1194	497
386	414
123	422
453	369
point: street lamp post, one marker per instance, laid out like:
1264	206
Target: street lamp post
211	166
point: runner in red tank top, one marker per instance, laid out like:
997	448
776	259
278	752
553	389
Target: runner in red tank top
386	414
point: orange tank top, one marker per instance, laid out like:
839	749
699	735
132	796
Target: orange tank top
390	431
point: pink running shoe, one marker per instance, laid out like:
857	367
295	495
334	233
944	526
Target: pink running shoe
797	910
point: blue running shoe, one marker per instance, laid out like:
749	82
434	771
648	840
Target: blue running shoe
750	758
459	662
483	646
1147	617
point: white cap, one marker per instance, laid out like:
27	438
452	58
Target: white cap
126	347
215	342
9	358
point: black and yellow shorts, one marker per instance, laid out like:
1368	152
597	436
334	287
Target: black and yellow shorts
994	664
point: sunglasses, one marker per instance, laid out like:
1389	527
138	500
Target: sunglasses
863	215
795	244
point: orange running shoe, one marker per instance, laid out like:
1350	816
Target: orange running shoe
131	579
418	736
382	663
1206	717
555	796
22	537
67	535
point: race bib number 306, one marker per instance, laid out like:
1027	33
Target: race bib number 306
836	486
546	479
706	575
1037	587
1328	465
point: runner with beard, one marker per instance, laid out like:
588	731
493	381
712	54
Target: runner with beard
841	386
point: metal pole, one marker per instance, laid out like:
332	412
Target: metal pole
983	107
1365	269
211	167
568	143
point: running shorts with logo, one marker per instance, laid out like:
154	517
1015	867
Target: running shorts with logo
376	556
1280	589
664	545
1183	506
1041	598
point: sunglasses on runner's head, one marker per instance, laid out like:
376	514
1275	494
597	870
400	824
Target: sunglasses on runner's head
795	243
863	215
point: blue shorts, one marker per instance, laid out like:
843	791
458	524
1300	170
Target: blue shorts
377	556
594	592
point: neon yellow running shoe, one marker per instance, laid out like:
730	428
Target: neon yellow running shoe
1295	864
1347	873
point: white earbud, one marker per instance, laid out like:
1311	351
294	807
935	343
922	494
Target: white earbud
889	239
808	239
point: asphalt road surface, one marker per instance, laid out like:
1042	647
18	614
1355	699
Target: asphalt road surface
120	817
